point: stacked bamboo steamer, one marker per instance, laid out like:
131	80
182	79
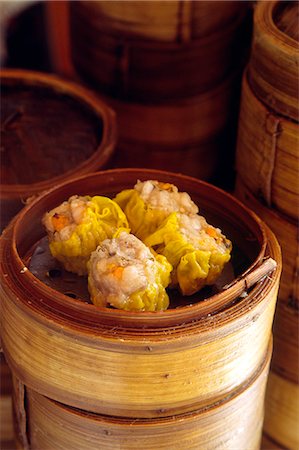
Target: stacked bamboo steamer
52	130
88	377
268	181
169	71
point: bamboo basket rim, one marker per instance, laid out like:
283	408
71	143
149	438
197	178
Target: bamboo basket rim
92	316
265	11
83	94
151	44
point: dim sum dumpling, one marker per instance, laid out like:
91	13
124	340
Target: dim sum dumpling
77	226
150	202
125	274
196	250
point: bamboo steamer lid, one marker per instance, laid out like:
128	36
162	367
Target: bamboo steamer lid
130	364
267	157
286	232
282	411
52	131
182	136
273	68
175	21
235	422
135	69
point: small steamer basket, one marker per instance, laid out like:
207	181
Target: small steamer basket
52	130
145	364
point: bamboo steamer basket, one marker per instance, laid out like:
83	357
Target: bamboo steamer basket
6	429
286	232
267	157
286	343
273	68
130	364
163	21
282	411
181	136
152	71
269	444
52	130
234	422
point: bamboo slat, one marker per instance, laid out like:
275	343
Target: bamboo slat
282	411
269	444
286	232
51	131
182	136
134	69
273	68
233	423
267	156
130	364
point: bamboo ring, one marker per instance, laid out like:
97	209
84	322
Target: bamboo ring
129	364
54	425
273	68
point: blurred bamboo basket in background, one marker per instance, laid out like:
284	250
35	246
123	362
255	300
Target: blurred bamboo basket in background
195	361
268	157
268	182
273	69
53	130
153	65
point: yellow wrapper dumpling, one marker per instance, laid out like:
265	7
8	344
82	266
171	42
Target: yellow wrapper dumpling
150	202
77	226
125	274
196	250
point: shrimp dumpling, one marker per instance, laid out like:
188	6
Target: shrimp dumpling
77	226
196	250
150	203
125	274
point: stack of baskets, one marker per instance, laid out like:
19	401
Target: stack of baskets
268	182
52	130
87	377
170	71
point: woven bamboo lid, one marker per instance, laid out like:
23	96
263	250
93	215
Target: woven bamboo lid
52	130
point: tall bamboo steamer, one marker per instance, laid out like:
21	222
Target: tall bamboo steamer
53	130
273	68
235	422
267	157
176	21
151	71
282	411
182	136
130	364
286	232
